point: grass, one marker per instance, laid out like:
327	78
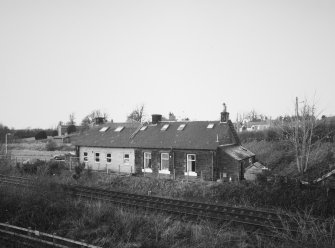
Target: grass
109	226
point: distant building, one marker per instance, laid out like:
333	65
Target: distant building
254	126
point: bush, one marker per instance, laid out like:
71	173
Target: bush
51	145
31	168
41	135
54	133
71	129
55	167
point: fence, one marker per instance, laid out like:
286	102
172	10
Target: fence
11	235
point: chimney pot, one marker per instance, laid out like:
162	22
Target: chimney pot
224	114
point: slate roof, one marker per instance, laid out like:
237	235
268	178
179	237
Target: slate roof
195	135
238	152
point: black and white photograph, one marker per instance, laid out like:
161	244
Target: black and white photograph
167	123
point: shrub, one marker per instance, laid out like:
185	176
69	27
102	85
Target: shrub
41	135
55	167
31	168
71	129
51	145
54	133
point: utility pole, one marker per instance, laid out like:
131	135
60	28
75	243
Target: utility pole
297	133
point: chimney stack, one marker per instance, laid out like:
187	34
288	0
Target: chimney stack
156	118
224	114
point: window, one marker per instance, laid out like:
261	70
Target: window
97	157
181	127
143	128
191	162
85	156
147	160
210	125
165	127
109	158
165	161
104	129
118	129
126	158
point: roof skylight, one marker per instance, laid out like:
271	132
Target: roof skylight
104	129
165	127
119	129
210	125
181	127
143	128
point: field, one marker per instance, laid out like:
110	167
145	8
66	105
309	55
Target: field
31	149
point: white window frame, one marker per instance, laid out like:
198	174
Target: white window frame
165	127
146	155
85	157
210	126
109	158
164	170
119	129
189	172
97	157
104	129
181	127
126	161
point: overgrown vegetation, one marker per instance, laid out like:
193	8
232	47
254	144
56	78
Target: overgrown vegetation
49	210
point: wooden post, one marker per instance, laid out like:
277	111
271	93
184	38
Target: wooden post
70	164
119	169
174	174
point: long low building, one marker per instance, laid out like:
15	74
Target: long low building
209	150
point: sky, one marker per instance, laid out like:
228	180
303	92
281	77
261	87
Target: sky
186	57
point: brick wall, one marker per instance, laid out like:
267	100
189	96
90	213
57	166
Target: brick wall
205	162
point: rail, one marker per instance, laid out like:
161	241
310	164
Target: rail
27	237
188	210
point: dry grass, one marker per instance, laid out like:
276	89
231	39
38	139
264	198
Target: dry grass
108	226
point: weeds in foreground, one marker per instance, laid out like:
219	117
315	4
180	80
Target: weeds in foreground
108	226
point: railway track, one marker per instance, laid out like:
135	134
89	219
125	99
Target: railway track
187	210
25	237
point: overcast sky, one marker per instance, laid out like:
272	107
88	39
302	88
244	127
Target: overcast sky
188	57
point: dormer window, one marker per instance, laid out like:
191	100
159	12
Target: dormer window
104	129
210	125
118	129
181	127
165	127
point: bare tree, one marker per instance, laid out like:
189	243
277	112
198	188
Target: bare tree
172	117
91	118
299	130
136	115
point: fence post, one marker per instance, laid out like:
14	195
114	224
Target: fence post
119	170
70	163
174	174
